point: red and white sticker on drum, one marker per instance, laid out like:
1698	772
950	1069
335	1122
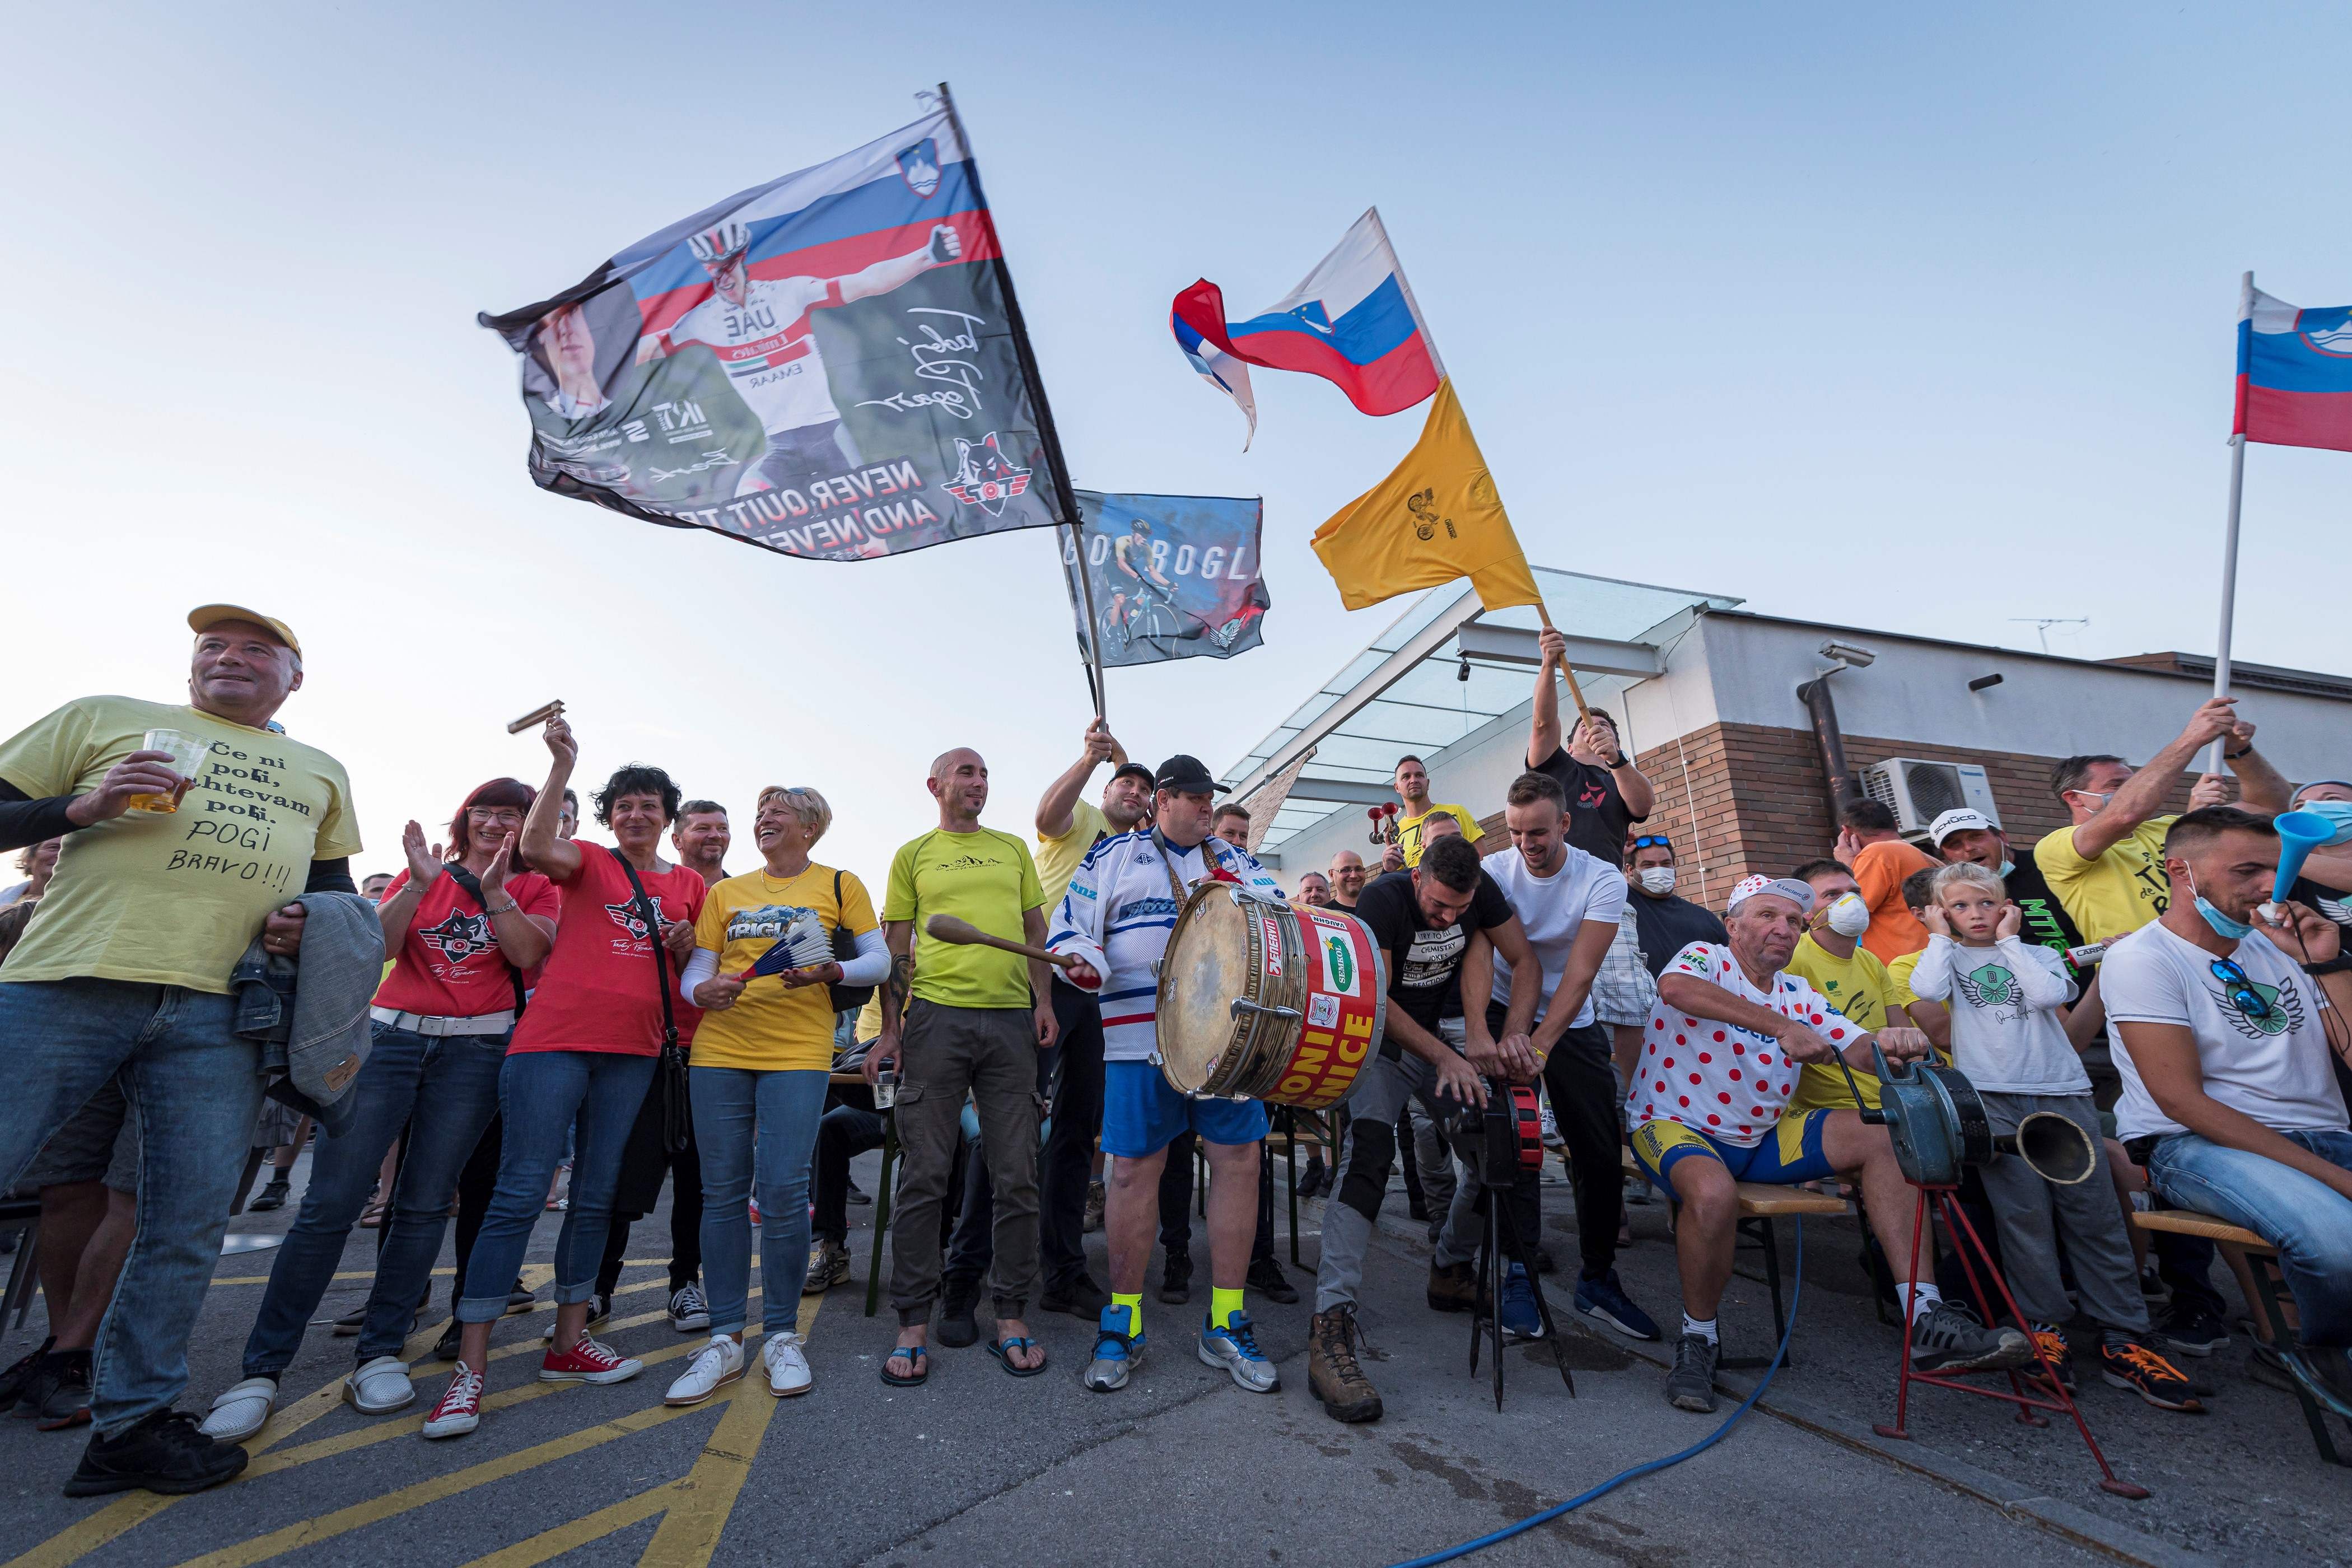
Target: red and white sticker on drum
1322	1011
1272	936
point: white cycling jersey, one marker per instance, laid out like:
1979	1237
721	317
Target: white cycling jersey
768	347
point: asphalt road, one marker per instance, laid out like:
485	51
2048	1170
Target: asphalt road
1180	1466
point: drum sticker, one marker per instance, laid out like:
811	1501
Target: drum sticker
1323	1011
1272	935
1339	970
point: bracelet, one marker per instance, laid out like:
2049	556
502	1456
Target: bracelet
2233	757
507	908
2335	966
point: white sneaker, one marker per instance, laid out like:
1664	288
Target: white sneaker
379	1387
788	1369
715	1366
242	1411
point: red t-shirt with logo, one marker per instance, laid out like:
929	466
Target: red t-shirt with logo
596	991
450	966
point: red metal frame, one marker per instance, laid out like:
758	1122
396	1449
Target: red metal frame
1965	1240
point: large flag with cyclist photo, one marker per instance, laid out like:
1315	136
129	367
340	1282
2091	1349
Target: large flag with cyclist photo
830	365
1172	576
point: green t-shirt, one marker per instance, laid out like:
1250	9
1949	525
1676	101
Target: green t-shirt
173	899
985	878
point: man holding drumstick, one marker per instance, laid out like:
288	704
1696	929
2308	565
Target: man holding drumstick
1115	920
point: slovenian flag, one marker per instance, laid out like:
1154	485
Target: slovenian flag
1352	321
2295	374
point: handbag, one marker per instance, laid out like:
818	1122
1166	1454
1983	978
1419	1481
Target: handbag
845	998
677	1126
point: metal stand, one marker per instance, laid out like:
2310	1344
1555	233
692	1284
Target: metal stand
1501	1247
1965	1241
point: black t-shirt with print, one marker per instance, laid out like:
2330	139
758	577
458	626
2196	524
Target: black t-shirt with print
2046	922
1424	961
1597	814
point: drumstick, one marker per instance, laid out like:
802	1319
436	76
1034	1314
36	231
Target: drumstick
539	715
947	928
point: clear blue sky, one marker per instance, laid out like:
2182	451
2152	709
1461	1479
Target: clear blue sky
1917	318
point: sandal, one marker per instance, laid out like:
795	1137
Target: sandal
1003	1351
915	1357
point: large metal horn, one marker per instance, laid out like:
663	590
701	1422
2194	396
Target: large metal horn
2054	1148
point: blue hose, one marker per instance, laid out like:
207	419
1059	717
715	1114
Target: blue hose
1796	1296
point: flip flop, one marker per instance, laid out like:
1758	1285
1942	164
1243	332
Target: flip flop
1000	1349
914	1357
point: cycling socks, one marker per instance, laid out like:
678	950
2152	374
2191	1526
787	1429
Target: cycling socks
1224	1306
1132	1309
1703	1327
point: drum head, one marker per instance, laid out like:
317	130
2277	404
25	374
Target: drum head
1207	965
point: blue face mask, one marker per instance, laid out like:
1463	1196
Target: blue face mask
2224	926
2338	814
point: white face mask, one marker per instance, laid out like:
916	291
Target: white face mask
1849	916
1656	880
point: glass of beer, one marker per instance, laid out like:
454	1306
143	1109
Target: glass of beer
186	753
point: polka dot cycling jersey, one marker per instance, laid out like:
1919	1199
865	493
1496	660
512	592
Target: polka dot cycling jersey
1725	1081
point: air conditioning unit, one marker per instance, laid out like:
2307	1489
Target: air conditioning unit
1918	792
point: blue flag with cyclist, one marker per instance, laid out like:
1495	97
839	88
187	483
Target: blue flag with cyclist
1172	576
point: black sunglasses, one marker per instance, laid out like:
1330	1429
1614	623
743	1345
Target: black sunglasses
2243	994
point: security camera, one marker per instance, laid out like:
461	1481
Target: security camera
1846	653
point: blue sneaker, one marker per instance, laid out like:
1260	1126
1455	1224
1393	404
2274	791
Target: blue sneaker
1605	1302
1518	1315
1116	1352
1235	1348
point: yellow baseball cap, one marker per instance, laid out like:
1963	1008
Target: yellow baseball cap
205	617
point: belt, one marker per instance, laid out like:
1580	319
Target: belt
424	1023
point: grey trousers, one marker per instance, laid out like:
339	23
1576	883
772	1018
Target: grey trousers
1361	1179
990	1053
2032	1214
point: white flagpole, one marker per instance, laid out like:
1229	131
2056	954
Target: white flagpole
2229	546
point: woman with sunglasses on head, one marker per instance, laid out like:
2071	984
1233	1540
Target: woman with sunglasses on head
763	1059
459	924
584	1055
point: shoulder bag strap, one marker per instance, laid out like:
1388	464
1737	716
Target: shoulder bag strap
678	1125
647	912
473	887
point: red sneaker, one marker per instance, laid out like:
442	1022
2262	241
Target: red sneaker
459	1409
588	1362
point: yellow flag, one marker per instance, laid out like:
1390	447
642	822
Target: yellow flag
1435	519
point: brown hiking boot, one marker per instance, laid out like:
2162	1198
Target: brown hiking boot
1331	1370
1453	1287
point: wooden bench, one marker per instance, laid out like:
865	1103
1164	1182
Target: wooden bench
1761	1203
2257	1260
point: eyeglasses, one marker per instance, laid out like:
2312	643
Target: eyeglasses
2243	994
1651	841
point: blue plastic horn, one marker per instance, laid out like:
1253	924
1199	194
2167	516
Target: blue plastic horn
2300	833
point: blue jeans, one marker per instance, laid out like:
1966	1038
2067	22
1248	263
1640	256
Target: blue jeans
2309	1222
764	1125
444	1090
541	1094
196	1089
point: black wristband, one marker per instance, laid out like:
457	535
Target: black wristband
2233	757
2336	965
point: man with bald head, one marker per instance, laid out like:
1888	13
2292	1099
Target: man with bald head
965	1019
1708	1107
1348	878
177	856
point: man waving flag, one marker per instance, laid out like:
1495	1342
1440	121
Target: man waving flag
1352	321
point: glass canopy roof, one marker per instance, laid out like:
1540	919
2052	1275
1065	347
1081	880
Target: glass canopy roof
1431	707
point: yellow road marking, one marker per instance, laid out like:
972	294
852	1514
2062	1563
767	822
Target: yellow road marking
706	1494
578	1532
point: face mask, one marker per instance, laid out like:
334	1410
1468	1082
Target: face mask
1659	879
2006	867
1849	916
2224	926
2338	814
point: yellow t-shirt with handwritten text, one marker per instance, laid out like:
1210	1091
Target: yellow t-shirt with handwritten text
773	1027
173	898
2115	894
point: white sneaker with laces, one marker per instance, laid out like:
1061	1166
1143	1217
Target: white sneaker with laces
788	1369
715	1366
242	1411
380	1386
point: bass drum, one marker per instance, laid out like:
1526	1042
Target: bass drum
1265	1000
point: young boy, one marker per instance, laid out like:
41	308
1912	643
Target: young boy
2007	1002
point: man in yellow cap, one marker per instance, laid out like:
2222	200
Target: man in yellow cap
189	829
